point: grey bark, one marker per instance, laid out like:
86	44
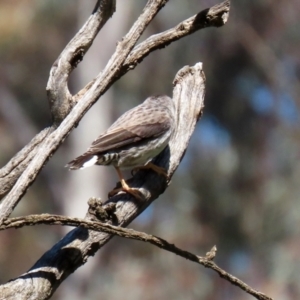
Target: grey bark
102	83
89	128
9	174
71	252
76	247
95	207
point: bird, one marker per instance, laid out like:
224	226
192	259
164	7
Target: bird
132	141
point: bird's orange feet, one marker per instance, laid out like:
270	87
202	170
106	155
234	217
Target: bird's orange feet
126	188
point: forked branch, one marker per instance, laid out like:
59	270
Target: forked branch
78	245
75	248
57	86
102	83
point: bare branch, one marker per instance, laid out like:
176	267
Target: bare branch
10	173
135	235
75	248
78	245
216	15
59	97
102	83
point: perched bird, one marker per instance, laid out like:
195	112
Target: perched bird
132	140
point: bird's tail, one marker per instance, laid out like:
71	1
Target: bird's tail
83	161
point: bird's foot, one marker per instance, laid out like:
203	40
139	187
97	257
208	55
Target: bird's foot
125	188
153	167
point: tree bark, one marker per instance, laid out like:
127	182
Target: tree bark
100	86
41	281
9	174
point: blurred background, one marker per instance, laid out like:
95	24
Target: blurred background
238	185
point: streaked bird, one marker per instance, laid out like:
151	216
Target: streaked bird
132	140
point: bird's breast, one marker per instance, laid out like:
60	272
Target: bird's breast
141	154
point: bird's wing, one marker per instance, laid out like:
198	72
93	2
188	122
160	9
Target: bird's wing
120	137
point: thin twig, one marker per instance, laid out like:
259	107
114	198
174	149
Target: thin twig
207	262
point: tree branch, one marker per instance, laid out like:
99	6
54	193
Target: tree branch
10	173
134	235
75	248
79	244
215	16
70	253
102	83
60	99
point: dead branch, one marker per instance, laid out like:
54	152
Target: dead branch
78	245
75	248
215	16
59	97
102	83
206	261
11	172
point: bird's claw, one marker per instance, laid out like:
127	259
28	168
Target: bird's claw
133	192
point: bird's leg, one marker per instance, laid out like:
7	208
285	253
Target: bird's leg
125	187
153	167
